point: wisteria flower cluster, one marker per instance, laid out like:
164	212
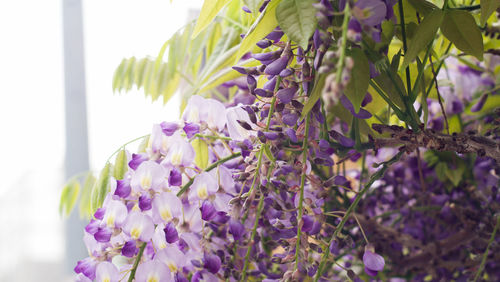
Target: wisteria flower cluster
337	152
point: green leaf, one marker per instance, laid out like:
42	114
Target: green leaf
69	196
423	36
360	77
209	10
262	26
455	175
422	6
121	164
385	83
441	170
253	5
201	153
487	8
84	205
297	19
268	153
315	94
461	29
100	188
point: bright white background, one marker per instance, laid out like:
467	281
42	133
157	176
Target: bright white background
32	113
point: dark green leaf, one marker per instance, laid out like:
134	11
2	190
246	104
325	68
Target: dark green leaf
316	93
360	77
297	18
487	8
461	29
422	6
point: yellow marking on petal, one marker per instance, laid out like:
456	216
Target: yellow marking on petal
153	279
135	233
172	266
136	208
146	180
162	245
176	158
202	192
166	214
106	279
110	221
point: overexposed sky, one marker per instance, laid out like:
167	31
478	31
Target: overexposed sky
32	113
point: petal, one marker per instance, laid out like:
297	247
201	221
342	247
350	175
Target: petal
373	261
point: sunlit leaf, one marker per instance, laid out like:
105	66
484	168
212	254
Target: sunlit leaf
297	18
209	10
201	152
263	25
84	205
121	165
425	33
100	188
69	196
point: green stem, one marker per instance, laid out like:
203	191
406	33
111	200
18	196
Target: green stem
377	175
343	46
262	147
123	146
405	46
301	196
212	166
485	255
254	228
136	263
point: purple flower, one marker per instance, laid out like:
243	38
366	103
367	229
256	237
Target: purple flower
373	262
362	114
207	210
286	95
203	186
277	66
370	12
175	178
166	207
211	262
129	249
86	267
191	129
180	152
123	188
115	215
171	235
237	229
139	226
152	270
103	235
145	202
106	271
149	175
137	159
169	128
